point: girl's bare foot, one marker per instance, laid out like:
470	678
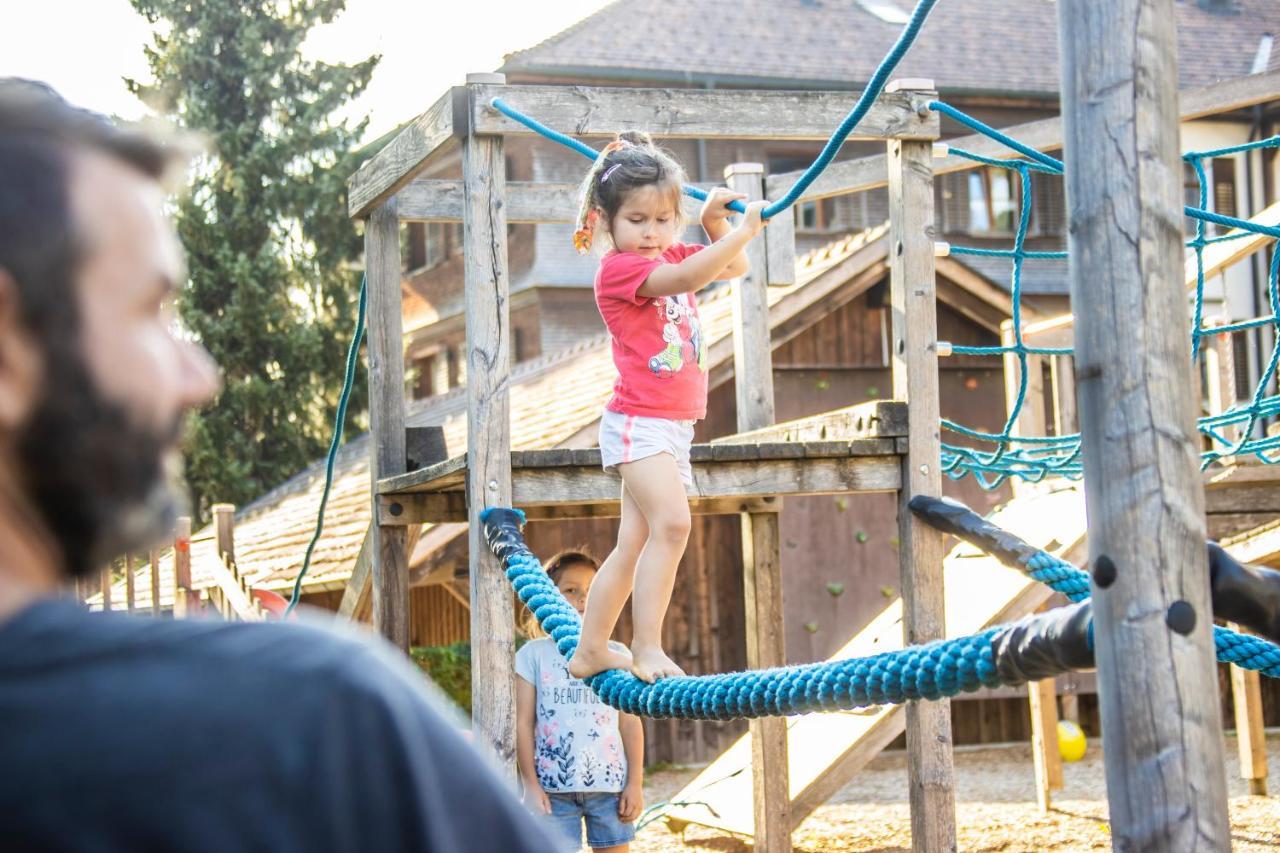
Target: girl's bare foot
587	661
651	663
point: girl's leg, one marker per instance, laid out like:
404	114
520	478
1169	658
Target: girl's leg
608	595
655	484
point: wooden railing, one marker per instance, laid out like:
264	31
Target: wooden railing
230	596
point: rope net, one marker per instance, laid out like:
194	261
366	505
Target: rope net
993	458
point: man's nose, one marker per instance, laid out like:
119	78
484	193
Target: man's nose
201	378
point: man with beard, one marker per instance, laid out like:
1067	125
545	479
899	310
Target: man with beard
130	734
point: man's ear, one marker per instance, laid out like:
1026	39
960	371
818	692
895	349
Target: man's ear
20	363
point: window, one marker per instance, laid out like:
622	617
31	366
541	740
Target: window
815	215
430	243
423	377
416	241
993	201
1220	177
987	202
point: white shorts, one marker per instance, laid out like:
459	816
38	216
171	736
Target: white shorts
628	438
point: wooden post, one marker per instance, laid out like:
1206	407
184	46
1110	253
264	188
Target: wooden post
1044	739
915	380
762	577
488	319
1062	373
1041	701
105	582
224	521
155	581
386	416
184	604
224	531
130	591
1158	688
1246	685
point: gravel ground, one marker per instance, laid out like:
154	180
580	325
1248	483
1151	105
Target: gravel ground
995	808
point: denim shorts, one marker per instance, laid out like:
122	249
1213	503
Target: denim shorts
599	810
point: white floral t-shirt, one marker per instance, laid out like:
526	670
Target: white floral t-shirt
576	744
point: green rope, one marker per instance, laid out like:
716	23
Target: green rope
353	356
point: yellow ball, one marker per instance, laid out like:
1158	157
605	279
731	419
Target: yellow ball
1071	741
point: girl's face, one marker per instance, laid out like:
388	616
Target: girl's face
574	582
646	223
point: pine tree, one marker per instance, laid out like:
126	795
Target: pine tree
270	250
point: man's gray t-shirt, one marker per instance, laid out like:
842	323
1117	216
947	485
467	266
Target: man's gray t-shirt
137	734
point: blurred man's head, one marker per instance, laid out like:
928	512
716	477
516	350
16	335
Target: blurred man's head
93	381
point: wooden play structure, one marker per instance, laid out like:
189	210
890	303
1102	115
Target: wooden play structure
889	446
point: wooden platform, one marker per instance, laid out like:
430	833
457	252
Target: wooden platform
728	478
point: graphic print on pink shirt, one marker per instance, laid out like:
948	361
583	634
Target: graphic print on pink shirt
658	345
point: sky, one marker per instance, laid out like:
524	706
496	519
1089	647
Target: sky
84	48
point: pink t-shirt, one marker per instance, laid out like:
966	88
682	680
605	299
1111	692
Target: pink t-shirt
658	346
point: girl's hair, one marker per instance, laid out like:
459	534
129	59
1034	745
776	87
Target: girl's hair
554	568
628	163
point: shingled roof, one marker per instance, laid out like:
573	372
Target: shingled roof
968	46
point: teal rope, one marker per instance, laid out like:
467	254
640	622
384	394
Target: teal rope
869	96
339	420
1034	458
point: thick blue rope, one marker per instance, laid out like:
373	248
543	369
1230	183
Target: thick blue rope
932	671
869	96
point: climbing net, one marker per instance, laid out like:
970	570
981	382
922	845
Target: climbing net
1234	432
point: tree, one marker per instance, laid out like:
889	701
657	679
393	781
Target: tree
270	250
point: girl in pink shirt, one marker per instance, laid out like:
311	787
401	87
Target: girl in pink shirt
645	291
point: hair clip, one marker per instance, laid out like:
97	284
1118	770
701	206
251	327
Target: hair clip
609	172
586	231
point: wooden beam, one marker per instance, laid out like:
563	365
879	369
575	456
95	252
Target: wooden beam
1158	687
527	202
1043	702
865	173
587	111
1062	377
390	567
550	477
914	312
1251	737
761	541
428	136
451	507
488	475
360	584
872	419
1246	686
780	249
